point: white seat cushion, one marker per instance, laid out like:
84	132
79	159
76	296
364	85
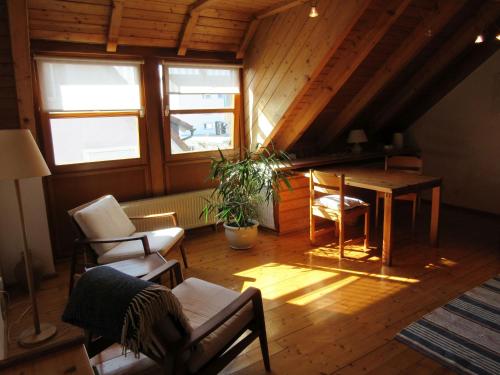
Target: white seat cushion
104	219
333	202
200	301
162	239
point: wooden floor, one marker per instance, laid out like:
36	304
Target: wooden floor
331	316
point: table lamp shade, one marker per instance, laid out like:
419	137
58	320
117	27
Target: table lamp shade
20	156
357	136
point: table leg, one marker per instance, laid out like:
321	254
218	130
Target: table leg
436	203
387	237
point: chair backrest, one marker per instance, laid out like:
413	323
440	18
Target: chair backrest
102	218
326	183
411	164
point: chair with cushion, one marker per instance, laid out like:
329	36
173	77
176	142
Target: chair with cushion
408	164
221	323
328	201
108	235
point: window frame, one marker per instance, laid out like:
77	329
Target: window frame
236	111
46	116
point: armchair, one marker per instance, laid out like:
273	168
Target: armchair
107	235
223	322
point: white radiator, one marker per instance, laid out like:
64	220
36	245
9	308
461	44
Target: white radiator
188	207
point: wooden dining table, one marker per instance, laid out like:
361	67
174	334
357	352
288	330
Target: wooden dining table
393	183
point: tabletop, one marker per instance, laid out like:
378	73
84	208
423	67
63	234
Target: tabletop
391	181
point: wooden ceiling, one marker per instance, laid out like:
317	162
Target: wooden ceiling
206	25
408	42
371	58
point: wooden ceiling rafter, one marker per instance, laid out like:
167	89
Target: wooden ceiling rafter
485	17
250	32
436	21
279	8
114	25
189	26
294	126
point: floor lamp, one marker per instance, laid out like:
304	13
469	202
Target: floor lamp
20	158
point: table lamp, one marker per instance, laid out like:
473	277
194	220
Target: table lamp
20	158
356	137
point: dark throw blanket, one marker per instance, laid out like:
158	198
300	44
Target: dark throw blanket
122	308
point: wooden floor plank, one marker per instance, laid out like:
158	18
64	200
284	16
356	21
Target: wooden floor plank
327	315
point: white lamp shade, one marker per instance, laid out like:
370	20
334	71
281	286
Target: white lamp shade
20	156
357	136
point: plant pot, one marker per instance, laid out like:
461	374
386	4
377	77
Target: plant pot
241	237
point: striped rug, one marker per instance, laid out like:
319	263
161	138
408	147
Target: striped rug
464	334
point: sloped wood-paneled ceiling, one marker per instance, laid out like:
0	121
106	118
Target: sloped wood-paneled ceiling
391	51
207	25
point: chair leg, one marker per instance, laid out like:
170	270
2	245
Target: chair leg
183	253
312	229
376	209
72	271
261	323
367	229
341	237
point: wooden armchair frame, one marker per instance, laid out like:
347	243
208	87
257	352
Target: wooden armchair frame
178	349
90	256
327	183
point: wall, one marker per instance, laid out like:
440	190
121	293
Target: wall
31	189
286	53
460	140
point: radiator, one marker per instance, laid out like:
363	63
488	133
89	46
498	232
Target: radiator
188	207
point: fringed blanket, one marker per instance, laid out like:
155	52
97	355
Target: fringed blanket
122	308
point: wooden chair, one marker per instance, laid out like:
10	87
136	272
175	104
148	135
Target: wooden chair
107	235
223	322
409	164
328	201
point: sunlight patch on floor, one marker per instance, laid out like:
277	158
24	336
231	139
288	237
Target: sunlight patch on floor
354	252
322	291
277	280
403	279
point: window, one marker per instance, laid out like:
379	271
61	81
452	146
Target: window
92	107
202	107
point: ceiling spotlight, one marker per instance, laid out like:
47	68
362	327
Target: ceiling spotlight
313	13
498	37
479	39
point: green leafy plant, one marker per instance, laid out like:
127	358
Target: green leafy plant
244	184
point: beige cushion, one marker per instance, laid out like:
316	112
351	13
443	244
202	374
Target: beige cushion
104	219
159	240
201	301
333	202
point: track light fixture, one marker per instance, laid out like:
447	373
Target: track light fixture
313	13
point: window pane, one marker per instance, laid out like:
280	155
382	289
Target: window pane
88	86
83	140
201	132
201	101
198	80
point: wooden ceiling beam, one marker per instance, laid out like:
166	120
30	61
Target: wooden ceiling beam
190	24
370	34
435	21
251	30
20	49
279	8
486	16
114	25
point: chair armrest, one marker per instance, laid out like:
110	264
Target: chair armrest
143	239
172	215
220	318
168	265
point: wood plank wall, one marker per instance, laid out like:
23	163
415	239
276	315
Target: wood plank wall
8	101
286	53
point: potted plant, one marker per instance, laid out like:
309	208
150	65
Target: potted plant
244	184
